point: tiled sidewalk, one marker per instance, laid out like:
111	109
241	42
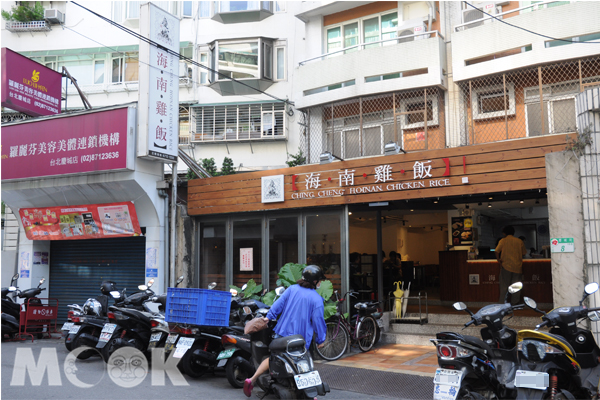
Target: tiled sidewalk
399	358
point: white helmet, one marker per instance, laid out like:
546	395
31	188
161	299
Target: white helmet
92	307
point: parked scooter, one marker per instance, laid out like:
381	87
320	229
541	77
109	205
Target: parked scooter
561	363
88	322
127	327
291	372
9	305
472	368
11	311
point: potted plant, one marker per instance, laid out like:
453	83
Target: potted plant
25	18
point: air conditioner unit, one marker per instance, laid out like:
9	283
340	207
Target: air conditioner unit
184	70
54	16
412	27
473	14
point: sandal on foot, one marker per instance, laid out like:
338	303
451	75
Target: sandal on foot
248	386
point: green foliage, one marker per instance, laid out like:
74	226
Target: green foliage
228	168
330	308
25	13
250	292
289	274
325	290
209	165
190	175
297	159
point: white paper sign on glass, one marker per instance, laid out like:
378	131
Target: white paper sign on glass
246	259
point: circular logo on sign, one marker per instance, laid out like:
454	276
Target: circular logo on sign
554	242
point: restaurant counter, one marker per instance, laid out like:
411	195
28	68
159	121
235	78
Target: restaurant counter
479	280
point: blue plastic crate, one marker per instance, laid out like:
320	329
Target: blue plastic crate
198	306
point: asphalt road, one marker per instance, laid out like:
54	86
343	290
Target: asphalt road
44	370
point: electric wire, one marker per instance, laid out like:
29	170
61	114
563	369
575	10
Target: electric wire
527	30
114	50
179	56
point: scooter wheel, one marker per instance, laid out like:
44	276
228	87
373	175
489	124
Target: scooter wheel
190	367
84	355
69	345
236	374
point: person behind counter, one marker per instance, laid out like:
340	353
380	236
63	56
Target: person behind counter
509	253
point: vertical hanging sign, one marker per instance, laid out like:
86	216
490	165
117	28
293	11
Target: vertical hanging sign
159	85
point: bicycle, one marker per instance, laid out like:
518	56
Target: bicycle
340	332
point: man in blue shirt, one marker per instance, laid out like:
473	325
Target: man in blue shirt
301	312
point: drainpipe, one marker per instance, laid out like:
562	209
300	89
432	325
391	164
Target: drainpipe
173	223
165	196
430	15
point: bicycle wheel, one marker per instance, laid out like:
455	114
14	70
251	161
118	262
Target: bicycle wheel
367	333
336	342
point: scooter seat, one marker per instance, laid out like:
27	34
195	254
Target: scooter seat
479	343
281	344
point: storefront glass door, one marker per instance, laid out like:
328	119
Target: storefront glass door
323	245
247	251
283	245
212	254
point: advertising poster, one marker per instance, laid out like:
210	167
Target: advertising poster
151	262
462	231
92	221
246	259
24	265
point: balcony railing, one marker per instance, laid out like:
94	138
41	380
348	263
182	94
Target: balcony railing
33	26
361	46
500	16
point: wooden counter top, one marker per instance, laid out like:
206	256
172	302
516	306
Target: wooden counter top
478	280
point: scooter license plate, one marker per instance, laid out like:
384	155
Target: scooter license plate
532	379
380	323
309	379
446	384
226	354
66	326
170	343
155	337
74	329
107	332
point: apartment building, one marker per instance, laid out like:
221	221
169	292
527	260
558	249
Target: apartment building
447	121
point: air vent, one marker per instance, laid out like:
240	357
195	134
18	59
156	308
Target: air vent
54	16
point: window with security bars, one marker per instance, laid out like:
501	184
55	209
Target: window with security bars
235	122
529	102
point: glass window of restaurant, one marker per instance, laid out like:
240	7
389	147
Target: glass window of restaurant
234	249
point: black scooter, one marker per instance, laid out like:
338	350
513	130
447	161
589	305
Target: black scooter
561	363
474	368
10	309
128	327
291	372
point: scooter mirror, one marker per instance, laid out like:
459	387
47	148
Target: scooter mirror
212	285
594	316
515	287
12	288
42	280
245	286
15	277
115	294
142	287
233	292
530	302
179	280
150	283
279	291
459	306
591	288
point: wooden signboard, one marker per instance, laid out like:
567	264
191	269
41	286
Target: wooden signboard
493	167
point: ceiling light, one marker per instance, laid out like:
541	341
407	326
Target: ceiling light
412	209
436	200
489	205
521	201
349	212
491	197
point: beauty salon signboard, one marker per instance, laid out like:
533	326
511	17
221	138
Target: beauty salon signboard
29	87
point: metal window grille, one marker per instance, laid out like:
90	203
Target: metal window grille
524	103
361	127
238	122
